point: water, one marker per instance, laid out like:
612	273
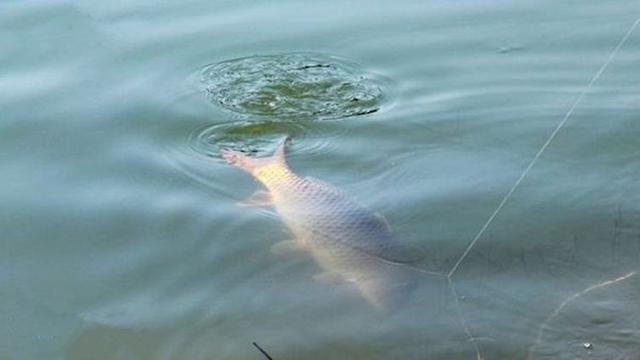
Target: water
119	234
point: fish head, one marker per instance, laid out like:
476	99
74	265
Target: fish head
268	170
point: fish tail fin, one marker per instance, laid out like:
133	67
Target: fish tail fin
251	164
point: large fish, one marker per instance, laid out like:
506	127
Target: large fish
349	242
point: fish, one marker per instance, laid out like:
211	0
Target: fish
350	243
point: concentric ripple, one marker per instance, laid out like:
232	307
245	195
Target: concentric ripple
259	138
299	85
254	138
192	155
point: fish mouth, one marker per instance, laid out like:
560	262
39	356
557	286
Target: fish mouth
239	160
230	156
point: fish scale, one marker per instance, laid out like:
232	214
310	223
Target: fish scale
349	242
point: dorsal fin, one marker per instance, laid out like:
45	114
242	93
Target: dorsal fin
279	154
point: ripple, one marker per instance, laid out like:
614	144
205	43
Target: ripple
192	156
254	138
259	138
300	85
599	322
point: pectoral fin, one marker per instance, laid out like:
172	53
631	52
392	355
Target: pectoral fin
260	198
286	247
393	251
383	220
401	253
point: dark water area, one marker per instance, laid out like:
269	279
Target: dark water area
120	237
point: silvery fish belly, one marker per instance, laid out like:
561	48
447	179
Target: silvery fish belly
350	243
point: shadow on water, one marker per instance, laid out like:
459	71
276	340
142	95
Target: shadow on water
330	324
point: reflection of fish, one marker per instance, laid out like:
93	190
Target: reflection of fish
348	241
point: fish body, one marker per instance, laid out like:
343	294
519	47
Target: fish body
349	242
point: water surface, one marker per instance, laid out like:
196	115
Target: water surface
119	234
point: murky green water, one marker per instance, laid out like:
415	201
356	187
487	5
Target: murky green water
119	234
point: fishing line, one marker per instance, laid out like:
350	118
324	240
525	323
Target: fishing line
567	301
543	148
463	322
513	188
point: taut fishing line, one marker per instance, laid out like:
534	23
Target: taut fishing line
513	188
